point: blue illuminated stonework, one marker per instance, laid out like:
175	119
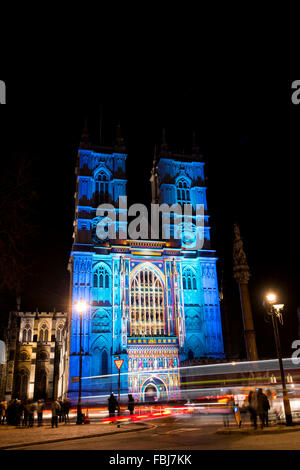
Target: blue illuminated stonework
152	303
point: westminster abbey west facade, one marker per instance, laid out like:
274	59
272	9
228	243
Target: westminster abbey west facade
152	303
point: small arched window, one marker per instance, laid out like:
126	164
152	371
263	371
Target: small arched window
44	333
59	333
102	187
183	192
101	277
26	337
189	279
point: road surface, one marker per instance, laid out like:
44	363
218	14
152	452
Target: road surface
183	433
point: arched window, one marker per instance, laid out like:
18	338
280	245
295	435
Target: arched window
102	187
104	363
22	382
26	337
183	192
59	333
189	279
44	333
147	316
96	362
101	277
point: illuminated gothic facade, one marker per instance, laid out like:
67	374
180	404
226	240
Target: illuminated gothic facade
153	303
36	356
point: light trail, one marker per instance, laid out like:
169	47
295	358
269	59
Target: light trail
213	369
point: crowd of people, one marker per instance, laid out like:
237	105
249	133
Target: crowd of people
22	413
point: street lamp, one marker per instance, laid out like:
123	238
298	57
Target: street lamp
275	311
81	308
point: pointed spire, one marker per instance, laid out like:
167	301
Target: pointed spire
154	179
84	141
100	124
119	142
195	147
154	157
164	145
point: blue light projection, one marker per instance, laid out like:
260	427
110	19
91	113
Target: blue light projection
152	303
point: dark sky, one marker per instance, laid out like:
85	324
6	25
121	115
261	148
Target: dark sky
249	132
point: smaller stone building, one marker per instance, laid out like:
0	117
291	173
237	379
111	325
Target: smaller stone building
37	355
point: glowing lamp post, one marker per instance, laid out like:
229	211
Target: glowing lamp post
81	308
275	311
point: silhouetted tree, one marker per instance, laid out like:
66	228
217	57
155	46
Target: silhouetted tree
17	228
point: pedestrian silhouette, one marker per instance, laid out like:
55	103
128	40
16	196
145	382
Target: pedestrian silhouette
260	407
252	399
131	404
55	408
112	405
66	409
40	408
228	410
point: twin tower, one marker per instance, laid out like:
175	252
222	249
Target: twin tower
153	303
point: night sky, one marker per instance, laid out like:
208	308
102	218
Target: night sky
249	133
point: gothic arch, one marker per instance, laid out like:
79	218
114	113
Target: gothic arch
101	321
100	354
156	382
183	189
147	302
27	333
189	278
22	383
59	332
147	265
44	332
104	170
196	345
193	319
185	178
103	273
99	341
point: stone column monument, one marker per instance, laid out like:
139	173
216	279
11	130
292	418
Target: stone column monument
242	275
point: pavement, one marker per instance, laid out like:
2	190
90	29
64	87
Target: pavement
249	430
12	437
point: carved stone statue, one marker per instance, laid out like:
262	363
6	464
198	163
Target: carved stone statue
239	256
240	265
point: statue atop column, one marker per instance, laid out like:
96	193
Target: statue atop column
241	273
